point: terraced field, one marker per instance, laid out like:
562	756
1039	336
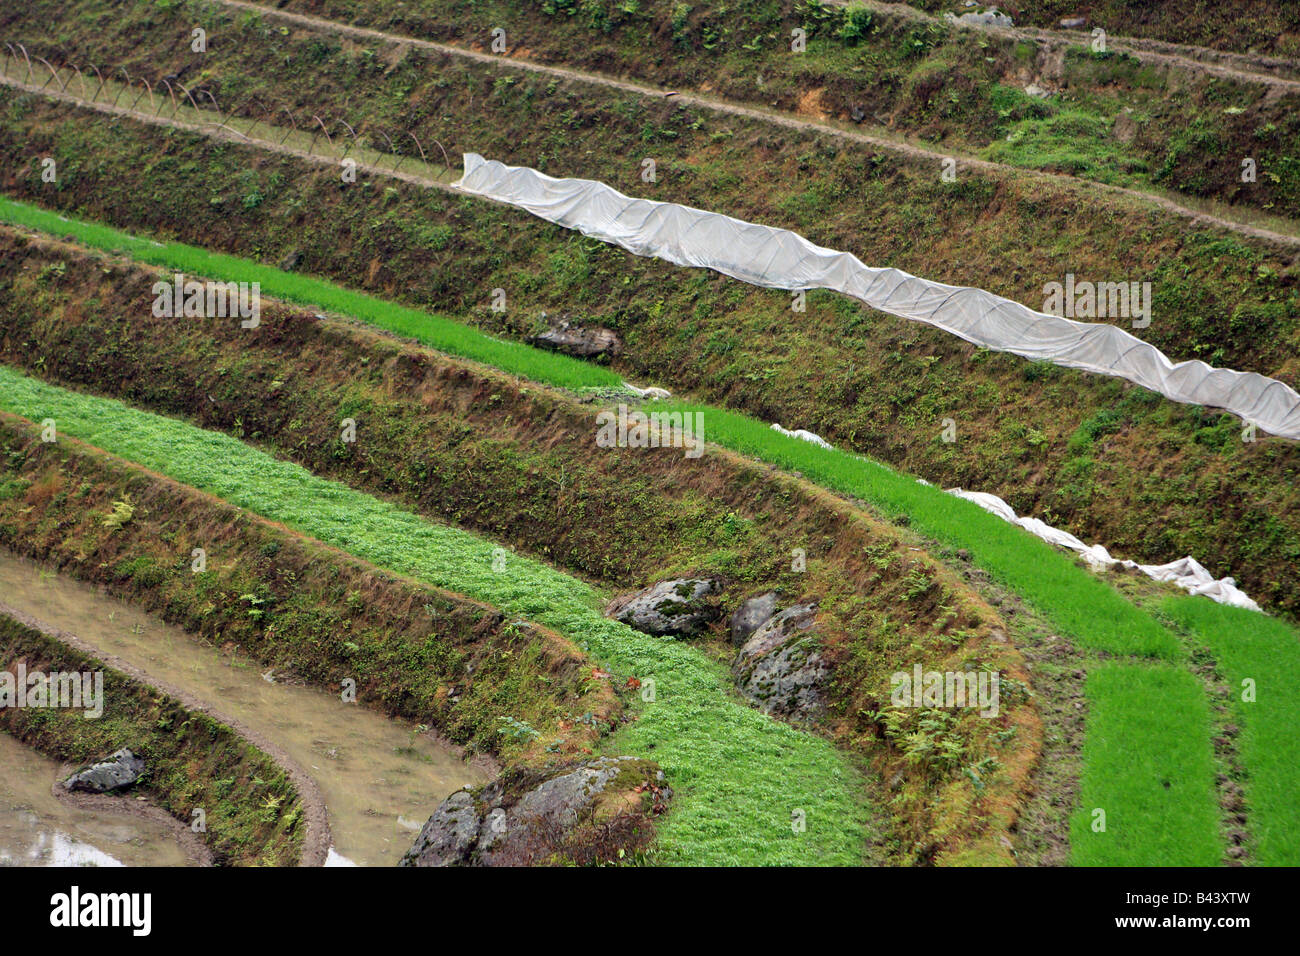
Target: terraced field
398	466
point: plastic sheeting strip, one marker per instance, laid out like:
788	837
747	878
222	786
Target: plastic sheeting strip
778	258
1187	573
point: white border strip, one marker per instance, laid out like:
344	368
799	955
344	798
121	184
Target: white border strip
778	258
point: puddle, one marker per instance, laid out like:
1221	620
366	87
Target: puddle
37	829
379	778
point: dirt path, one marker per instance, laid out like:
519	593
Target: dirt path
316	842
1244	67
730	108
216	130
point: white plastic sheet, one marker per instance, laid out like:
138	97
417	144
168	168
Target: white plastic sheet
778	258
803	434
1187	573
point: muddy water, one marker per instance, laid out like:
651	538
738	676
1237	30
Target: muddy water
37	829
380	778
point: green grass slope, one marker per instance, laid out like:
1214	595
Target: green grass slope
739	775
1260	660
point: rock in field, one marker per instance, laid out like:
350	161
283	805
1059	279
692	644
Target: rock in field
992	17
584	342
113	773
751	615
780	668
678	608
582	814
449	835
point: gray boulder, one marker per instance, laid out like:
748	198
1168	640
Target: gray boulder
677	608
546	813
449	835
752	614
780	668
493	827
992	17
113	773
584	342
776	631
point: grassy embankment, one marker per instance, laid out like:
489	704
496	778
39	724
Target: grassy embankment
1111	117
307	610
1260	660
739	775
1086	453
1092	431
955	521
517	462
252	811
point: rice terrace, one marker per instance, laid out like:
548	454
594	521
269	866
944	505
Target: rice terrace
642	433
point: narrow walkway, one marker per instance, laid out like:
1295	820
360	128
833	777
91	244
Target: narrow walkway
730	108
1269	71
